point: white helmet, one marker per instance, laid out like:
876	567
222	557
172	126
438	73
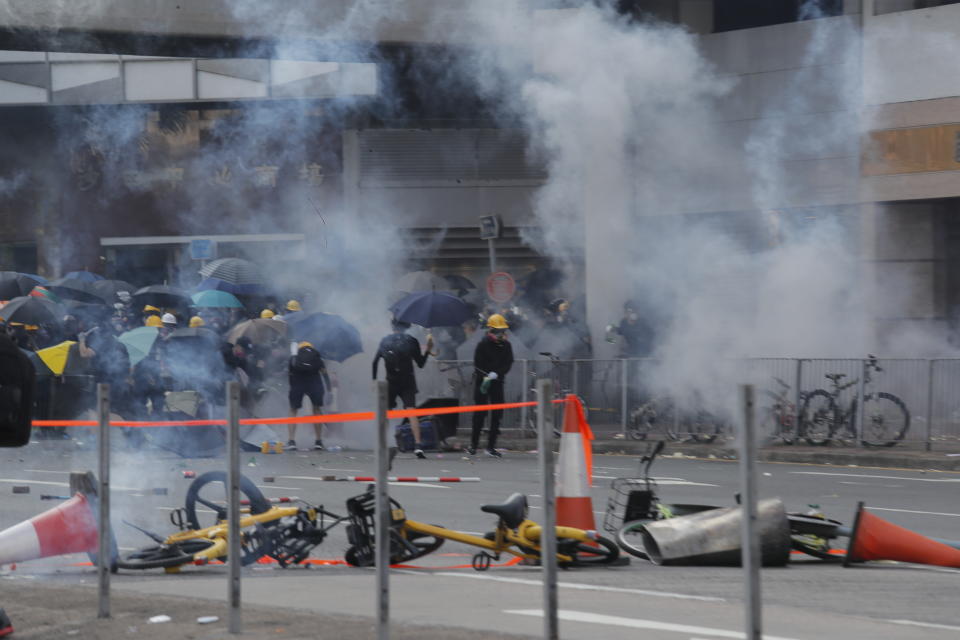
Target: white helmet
168	318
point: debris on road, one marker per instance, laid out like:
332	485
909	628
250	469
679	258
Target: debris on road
19	488
207	619
159	619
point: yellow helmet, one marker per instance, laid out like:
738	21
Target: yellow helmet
196	321
497	321
153	321
305	344
293	305
151	309
267	313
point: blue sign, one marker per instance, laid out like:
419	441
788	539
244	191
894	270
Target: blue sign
203	249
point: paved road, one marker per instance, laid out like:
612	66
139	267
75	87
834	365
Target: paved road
806	600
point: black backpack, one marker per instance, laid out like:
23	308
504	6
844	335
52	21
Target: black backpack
17	377
394	353
307	360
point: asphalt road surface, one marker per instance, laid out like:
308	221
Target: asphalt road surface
807	600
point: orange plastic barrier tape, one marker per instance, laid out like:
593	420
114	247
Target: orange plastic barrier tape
317	419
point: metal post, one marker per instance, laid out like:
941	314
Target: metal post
524	397
493	256
624	384
748	505
233	506
929	435
104	547
797	393
575	385
548	538
382	529
861	387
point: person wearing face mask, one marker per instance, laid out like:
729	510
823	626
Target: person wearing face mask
491	360
637	334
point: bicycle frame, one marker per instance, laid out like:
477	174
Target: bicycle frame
219	532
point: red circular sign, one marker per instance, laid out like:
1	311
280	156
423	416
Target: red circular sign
501	286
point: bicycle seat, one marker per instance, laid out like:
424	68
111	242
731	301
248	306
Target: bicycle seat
836	376
512	511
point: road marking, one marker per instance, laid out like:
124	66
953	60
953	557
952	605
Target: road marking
928	625
417	484
861	475
870	484
177	509
667	481
273	486
638	623
49	482
59	473
923	513
583	587
599	513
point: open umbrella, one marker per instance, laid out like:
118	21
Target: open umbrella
74	289
161	295
459	283
421	281
217	284
14	284
31	310
259	331
335	338
108	289
57	356
216	300
432	309
139	341
233	270
39	366
86	276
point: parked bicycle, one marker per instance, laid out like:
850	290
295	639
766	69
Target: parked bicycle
824	418
559	393
286	533
514	534
779	417
660	414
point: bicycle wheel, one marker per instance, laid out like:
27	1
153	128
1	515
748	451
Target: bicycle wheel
163	556
817	417
585	554
885	421
630	538
410	545
204	490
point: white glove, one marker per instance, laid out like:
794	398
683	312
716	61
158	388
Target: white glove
492	375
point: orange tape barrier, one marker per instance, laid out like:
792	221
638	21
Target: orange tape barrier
318	419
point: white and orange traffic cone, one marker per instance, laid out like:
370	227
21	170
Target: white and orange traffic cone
575	469
67	528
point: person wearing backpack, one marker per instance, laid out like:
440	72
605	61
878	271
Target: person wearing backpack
491	361
399	351
308	377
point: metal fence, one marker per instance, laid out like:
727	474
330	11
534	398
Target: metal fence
612	390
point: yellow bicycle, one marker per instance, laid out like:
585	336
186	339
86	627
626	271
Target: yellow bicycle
286	533
515	535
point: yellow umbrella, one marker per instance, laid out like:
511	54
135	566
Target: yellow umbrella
56	356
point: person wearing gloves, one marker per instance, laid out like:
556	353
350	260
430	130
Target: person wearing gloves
492	360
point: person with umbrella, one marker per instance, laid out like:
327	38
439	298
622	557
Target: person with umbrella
399	351
308	377
491	361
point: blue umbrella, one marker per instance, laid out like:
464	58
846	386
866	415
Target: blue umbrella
335	338
431	309
222	285
139	341
86	276
211	298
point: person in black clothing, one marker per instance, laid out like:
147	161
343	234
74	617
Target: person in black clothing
399	351
308	377
637	334
492	360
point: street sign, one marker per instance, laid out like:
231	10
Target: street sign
203	249
501	286
489	227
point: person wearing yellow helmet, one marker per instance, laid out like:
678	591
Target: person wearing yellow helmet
196	322
152	321
492	360
267	313
308	377
293	306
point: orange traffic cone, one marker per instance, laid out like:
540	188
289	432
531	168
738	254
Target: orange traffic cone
574	472
876	539
68	528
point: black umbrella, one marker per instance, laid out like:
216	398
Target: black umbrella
421	281
89	313
32	310
161	295
73	289
14	285
459	283
233	270
335	338
432	309
108	289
